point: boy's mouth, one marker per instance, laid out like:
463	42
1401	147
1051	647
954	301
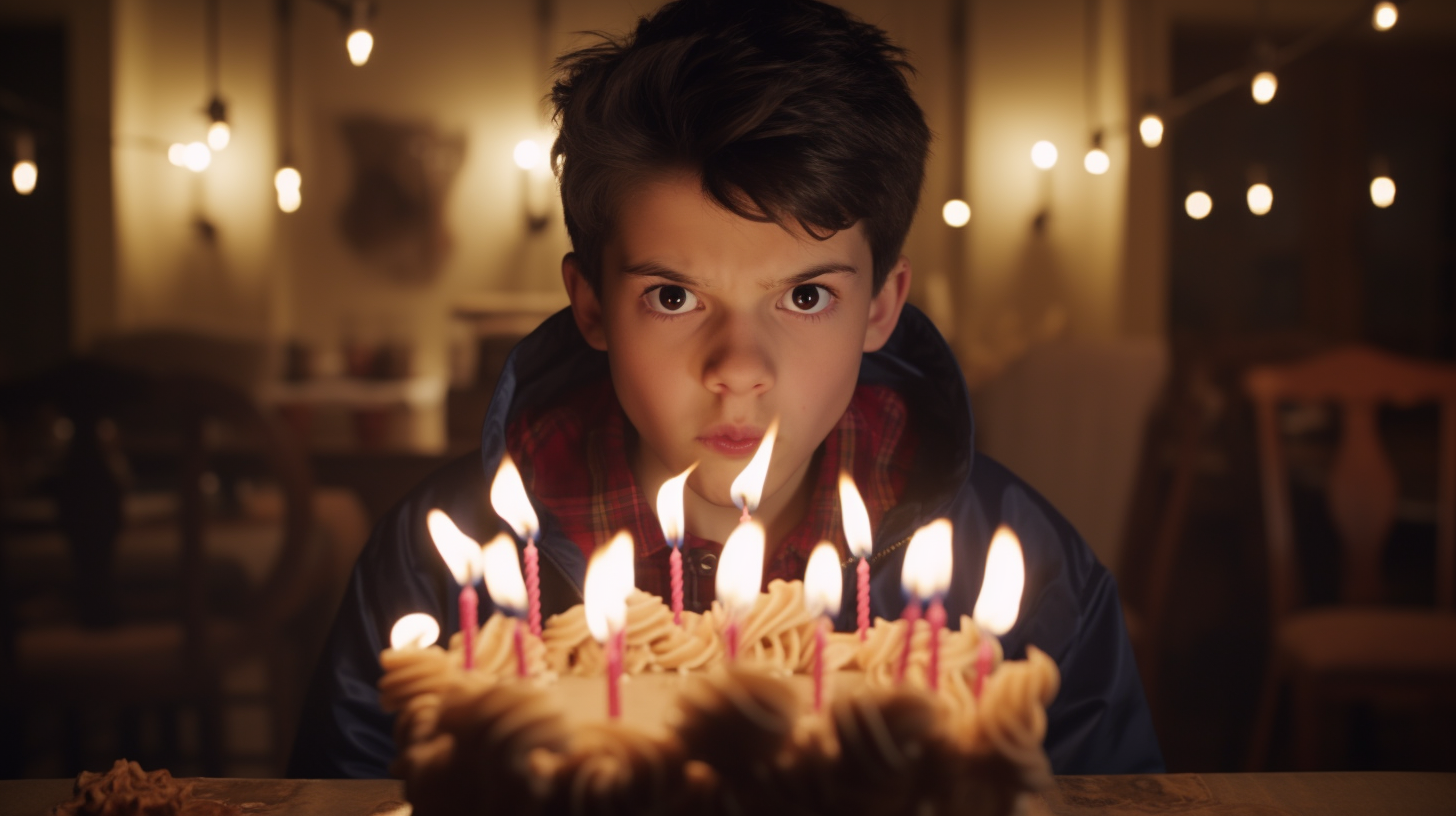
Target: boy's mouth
731	440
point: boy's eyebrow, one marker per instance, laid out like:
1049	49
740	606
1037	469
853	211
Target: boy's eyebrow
811	273
652	269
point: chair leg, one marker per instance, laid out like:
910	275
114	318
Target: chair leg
1258	753
1306	705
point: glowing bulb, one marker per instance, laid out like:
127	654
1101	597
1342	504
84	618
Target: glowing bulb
1044	155
956	213
218	135
1198	205
527	154
177	154
1264	86
1261	198
196	157
1382	191
23	176
1097	161
360	43
1385	16
1151	129
289	185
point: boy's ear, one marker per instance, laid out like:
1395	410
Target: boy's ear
586	307
885	307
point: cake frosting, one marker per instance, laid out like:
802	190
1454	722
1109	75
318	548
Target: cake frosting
700	734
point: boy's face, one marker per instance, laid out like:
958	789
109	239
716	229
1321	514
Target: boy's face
715	325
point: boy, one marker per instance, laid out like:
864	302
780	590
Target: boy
738	179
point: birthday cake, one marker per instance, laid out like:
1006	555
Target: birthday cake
932	726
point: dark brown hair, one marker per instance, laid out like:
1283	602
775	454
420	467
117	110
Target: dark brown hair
787	109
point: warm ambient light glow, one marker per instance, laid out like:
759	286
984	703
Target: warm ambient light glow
670	506
609	580
219	134
1198	205
1044	155
460	552
23	176
196	157
855	517
508	498
289	185
1151	130
1382	191
1264	86
1261	198
414	631
956	213
360	43
740	570
527	154
926	571
1097	161
1385	16
747	489
1000	600
823	582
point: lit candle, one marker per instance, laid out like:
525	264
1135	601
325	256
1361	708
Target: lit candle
740	574
609	580
822	594
508	497
747	489
857	536
1000	600
414	631
507	590
670	516
463	557
934	564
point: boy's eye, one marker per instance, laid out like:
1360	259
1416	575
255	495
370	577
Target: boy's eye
671	300
807	299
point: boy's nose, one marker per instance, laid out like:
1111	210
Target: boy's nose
737	362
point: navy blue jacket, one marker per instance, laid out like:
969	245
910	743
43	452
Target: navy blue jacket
1098	724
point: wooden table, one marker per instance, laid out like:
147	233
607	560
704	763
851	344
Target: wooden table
1274	794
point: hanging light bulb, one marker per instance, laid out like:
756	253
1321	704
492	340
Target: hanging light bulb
1151	129
1198	205
195	156
1382	191
1097	161
1260	198
289	184
1264	86
1044	155
956	213
360	42
177	154
527	154
1384	16
219	133
24	174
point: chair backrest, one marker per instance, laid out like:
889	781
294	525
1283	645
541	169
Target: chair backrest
1362	489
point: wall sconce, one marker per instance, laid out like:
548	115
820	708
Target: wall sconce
24	174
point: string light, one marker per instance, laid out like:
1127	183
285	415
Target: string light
360	42
1384	16
956	213
1044	155
1264	86
1198	205
289	184
1096	161
24	174
1382	191
195	156
1260	198
1151	130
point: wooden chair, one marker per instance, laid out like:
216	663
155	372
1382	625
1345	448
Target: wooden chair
154	631
1360	648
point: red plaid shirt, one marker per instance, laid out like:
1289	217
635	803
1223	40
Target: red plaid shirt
574	460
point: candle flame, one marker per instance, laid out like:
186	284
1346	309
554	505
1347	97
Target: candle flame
609	580
1000	598
926	571
414	631
503	580
856	518
747	489
823	582
460	551
508	497
670	506
740	569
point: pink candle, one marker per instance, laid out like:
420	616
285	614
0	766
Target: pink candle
533	588
864	598
520	650
910	616
469	620
935	616
984	656
675	563
615	645
730	635
819	639
744	516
